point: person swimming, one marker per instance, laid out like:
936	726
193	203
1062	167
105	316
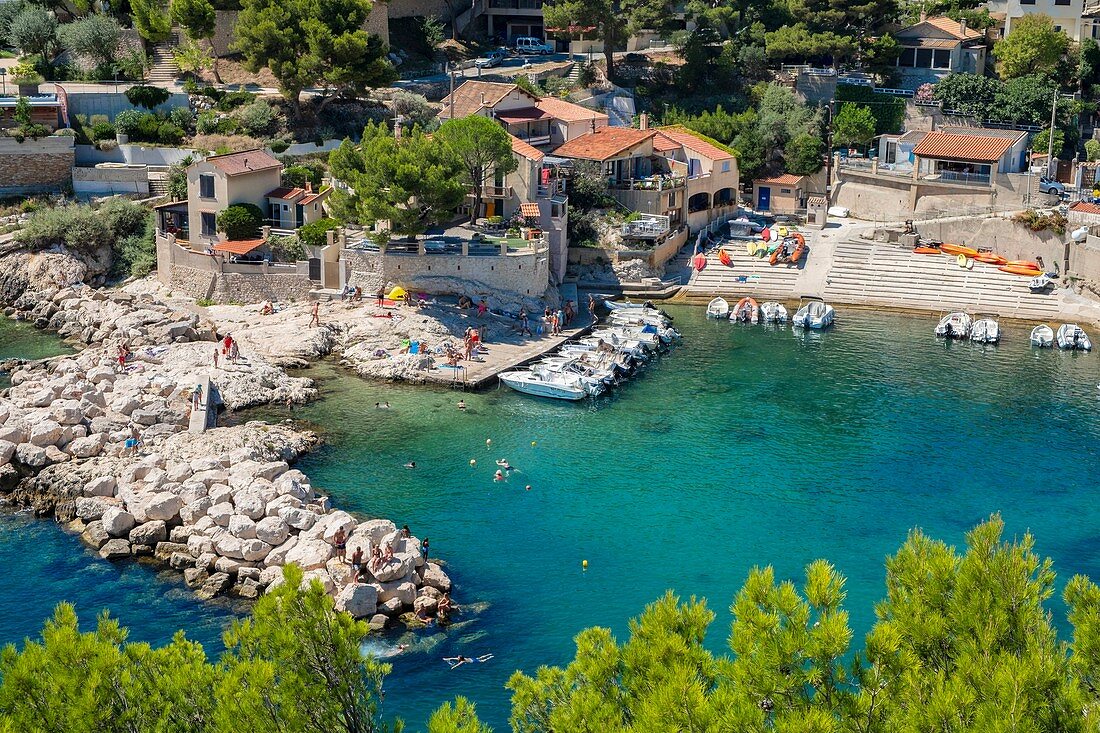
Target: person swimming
503	463
460	660
410	464
462	404
498	476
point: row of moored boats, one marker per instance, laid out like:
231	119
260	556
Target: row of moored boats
986	330
590	366
811	313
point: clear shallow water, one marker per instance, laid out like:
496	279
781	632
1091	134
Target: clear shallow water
743	447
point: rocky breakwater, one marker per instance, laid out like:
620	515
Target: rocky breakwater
222	506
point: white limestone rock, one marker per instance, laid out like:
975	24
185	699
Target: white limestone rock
43	433
149	533
300	519
31	455
272	530
376	530
242	526
164	506
250	503
220	513
220	493
434	577
7	450
404	591
90	508
117	521
115	549
321	576
198	544
358	599
281	501
194	510
254	550
86	447
309	554
278	555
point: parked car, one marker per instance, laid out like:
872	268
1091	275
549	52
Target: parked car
491	59
529	45
1049	185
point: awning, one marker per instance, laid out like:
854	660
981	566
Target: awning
555	160
526	114
239	246
529	210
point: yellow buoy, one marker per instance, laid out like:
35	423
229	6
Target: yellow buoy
584	564
473	461
488	441
534	443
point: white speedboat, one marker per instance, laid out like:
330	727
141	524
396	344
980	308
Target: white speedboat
1072	336
554	386
772	312
985	331
814	313
1042	336
954	325
718	308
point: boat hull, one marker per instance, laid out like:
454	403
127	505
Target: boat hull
522	383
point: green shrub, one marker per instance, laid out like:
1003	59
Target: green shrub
207	122
297	175
135	255
314	233
241	221
231	100
286	249
181	117
169	134
278	146
102	131
257	119
147	97
128	120
1092	149
82	227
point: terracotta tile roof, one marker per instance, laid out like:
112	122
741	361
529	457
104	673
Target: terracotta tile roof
559	109
949	146
663	143
523	114
1012	135
526	150
284	193
238	246
603	144
787	179
1085	207
953	28
246	161
468	96
309	198
685	137
529	210
815	201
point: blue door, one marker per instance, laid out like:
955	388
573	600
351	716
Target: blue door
763	198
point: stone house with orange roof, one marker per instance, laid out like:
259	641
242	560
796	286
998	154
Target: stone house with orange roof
665	172
935	47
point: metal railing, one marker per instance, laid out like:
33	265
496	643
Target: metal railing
540	139
978	179
657	183
646	226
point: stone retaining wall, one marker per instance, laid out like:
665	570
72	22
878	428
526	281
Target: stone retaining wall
35	166
524	274
204	277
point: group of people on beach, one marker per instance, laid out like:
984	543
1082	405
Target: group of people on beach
229	349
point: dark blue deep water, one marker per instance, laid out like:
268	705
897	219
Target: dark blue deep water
743	447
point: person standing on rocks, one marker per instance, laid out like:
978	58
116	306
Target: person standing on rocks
215	357
315	314
524	326
131	445
196	397
381	297
482	308
340	542
234	352
356	563
226	343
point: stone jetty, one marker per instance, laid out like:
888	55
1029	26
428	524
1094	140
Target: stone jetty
223	507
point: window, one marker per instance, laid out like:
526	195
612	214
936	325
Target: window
785	190
725	166
209	224
286	208
941	59
907	55
1027	2
924	58
206	186
671	200
1061	2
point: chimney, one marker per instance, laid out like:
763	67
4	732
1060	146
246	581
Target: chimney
923	16
483	102
309	186
962	27
643	121
246	165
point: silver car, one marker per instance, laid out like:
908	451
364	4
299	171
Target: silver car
491	59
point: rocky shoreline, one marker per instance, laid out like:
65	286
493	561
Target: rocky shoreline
223	507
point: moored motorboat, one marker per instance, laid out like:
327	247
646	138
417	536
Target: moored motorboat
985	331
954	325
746	311
790	250
772	312
718	308
1042	336
554	386
813	312
1072	336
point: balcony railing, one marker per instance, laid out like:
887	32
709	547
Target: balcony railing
655	183
496	192
647	226
533	139
516	4
975	179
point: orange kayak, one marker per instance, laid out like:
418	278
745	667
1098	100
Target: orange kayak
926	250
724	258
1020	270
957	249
990	259
1024	263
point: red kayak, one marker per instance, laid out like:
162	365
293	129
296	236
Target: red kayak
699	261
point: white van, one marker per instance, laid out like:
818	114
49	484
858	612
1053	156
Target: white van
527	44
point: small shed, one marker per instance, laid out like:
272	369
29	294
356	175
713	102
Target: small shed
785	194
817	212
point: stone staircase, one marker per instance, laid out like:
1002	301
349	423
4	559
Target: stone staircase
875	273
164	71
574	75
158	180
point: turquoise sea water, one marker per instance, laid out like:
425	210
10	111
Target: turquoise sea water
744	446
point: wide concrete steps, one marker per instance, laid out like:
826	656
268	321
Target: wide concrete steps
762	280
884	274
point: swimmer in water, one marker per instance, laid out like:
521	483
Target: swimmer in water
410	464
498	476
462	404
503	463
460	660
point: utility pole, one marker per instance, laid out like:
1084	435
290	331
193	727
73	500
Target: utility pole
451	68
1050	143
